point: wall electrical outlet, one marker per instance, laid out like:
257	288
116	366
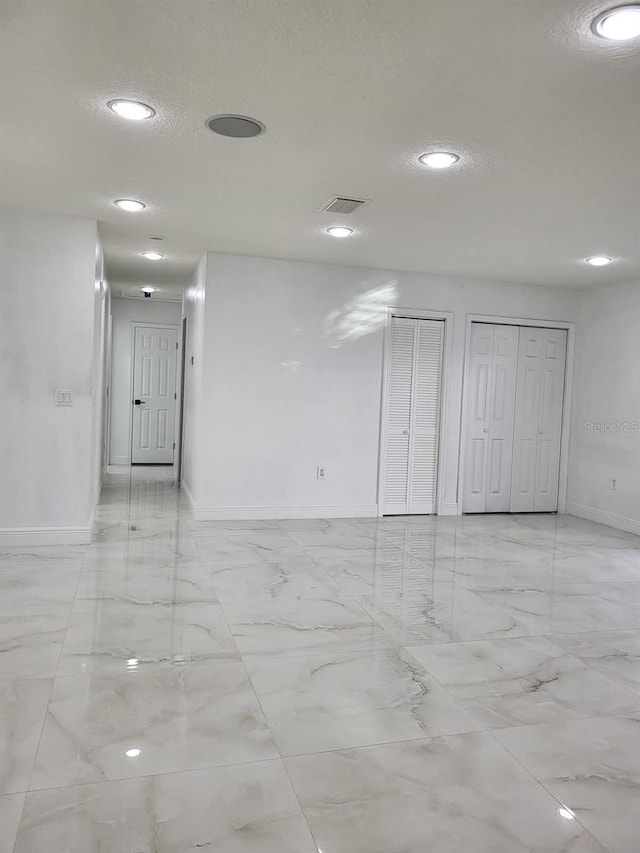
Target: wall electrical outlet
321	472
63	397
613	485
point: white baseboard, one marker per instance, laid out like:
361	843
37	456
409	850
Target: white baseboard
620	522
252	513
20	536
118	460
187	491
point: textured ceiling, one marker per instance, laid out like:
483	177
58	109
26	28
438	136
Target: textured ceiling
545	115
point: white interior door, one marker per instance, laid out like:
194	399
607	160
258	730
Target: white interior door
154	392
538	420
490	404
412	416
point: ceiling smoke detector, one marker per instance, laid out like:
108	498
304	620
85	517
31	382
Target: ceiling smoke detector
238	127
342	204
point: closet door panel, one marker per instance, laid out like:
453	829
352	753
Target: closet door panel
538	421
525	441
553	360
426	417
477	409
502	391
399	402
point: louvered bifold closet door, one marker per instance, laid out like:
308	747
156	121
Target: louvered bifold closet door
413	411
423	449
400	389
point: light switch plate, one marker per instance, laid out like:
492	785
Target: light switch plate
63	397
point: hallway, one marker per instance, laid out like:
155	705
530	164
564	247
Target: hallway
396	685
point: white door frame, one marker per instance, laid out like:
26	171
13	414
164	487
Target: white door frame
412	314
566	405
141	324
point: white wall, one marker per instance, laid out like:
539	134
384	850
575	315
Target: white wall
126	312
607	394
46	342
193	310
292	374
101	303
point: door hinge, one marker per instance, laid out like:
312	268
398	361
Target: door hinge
176	344
174	445
175	396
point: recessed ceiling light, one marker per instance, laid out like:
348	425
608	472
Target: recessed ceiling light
148	289
152	256
439	159
239	127
599	260
131	110
129	204
618	24
340	231
156	236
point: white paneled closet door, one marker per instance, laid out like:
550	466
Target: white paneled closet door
490	404
412	416
538	420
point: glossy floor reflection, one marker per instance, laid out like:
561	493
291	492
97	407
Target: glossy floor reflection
395	685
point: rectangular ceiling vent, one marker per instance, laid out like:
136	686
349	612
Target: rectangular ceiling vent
338	204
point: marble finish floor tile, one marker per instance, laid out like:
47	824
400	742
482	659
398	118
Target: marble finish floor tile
564	609
448	794
103	634
520	681
333	698
244	809
11	806
287	580
31	638
182	586
593	767
440	614
262	627
174	717
23	706
407	669
379	573
615	653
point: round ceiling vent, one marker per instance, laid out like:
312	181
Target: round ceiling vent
240	127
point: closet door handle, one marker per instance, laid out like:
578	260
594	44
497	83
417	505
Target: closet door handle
486	429
405	432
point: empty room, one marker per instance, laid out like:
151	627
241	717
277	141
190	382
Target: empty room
320	432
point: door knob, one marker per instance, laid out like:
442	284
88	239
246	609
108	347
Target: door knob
139	402
486	429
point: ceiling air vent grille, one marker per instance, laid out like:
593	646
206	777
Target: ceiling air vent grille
342	205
